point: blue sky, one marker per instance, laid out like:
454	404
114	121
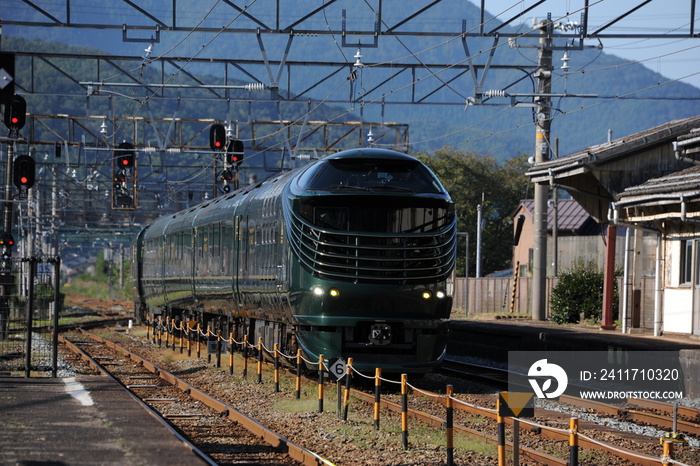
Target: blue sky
673	58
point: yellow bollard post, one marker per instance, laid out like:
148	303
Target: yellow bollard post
449	425
230	354
160	331
346	393
199	340
209	334
167	330
501	426
297	386
573	441
377	395
218	348
260	358
245	355
180	331
404	411
320	383
277	367
667	458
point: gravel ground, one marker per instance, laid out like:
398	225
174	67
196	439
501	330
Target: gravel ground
355	441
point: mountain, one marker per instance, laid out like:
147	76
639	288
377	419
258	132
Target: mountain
629	97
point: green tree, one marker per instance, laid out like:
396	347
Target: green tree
468	177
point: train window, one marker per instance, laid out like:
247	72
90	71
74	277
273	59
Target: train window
217	240
371	175
331	218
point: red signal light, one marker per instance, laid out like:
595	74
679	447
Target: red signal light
15	112
217	137
23	172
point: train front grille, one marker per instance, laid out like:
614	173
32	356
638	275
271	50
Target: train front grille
425	252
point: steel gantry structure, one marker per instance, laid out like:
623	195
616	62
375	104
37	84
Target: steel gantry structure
274	35
259	57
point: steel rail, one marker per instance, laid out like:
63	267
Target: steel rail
631	415
294	451
84	356
665	422
435	421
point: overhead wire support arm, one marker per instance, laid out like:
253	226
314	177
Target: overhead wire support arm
478	82
245	87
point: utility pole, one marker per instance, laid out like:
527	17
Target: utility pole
542	126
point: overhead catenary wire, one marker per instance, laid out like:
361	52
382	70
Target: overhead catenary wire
431	73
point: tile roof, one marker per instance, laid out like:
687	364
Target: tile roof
572	215
684	183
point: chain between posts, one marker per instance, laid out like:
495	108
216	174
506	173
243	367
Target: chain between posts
450	401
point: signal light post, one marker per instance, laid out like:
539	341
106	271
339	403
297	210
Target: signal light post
23	174
234	152
14	117
7	242
124	177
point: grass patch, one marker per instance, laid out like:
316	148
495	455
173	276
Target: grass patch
93	289
297	406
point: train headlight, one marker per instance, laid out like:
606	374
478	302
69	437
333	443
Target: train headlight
334	292
440	294
426	294
318	290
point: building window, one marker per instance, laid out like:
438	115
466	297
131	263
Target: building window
686	262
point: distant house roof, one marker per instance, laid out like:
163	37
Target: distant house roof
601	154
573	217
684	183
597	176
674	197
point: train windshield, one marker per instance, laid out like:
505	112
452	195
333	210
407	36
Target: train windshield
371	175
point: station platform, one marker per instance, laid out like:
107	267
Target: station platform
90	420
493	339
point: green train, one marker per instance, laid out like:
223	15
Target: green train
349	256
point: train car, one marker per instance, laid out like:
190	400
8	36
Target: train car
346	257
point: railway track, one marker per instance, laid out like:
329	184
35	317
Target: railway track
665	416
539	444
214	430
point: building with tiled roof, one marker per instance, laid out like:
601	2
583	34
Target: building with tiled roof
648	182
577	234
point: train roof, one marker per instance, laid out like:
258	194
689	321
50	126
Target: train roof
368	153
220	206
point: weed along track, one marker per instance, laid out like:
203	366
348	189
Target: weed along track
373	423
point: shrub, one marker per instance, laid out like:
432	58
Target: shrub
579	290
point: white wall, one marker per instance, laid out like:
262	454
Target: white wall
677	306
